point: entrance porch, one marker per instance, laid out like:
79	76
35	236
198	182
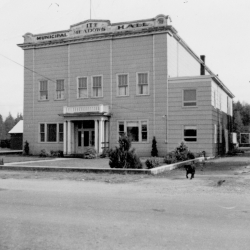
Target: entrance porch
84	128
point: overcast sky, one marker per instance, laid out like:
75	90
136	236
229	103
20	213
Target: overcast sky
218	29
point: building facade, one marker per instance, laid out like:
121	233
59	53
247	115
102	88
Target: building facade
86	86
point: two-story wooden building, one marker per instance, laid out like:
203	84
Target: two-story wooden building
85	86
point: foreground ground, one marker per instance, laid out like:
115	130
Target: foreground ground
46	210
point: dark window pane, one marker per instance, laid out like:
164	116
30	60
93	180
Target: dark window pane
190	139
190	132
190	104
133	133
42	137
79	138
61	128
144	136
51	132
190	95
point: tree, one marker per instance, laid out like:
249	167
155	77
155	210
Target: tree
18	118
154	151
9	123
1	128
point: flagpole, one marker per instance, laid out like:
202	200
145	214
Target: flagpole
90	9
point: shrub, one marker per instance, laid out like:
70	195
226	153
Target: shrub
44	153
181	153
152	163
154	151
5	143
90	153
56	153
123	157
26	148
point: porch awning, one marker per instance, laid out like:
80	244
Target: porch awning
85	114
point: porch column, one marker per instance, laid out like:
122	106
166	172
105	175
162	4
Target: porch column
65	137
96	136
101	135
69	137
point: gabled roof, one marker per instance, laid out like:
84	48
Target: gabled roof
17	129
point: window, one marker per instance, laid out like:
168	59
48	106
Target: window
190	133
220	133
51	132
122	85
43	90
142	84
121	129
133	130
97	86
59	89
42	132
136	130
82	87
60	132
215	133
189	97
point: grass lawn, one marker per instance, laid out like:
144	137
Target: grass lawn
20	158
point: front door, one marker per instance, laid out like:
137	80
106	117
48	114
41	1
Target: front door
85	139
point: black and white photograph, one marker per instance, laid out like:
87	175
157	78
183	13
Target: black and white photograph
124	124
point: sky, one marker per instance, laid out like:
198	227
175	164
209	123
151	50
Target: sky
218	29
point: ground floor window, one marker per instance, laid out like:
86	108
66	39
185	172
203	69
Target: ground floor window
136	130
190	133
51	132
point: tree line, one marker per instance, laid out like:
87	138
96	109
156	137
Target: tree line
241	117
7	124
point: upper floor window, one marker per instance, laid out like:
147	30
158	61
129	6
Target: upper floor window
82	87
43	90
190	133
122	85
189	97
142	84
97	86
59	89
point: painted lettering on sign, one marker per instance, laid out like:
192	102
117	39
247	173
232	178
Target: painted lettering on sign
52	36
132	25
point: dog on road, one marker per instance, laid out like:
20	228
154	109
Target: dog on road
190	169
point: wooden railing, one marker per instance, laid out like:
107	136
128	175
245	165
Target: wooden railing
85	109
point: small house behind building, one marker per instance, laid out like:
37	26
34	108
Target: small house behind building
16	136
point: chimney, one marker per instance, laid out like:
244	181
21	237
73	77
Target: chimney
202	65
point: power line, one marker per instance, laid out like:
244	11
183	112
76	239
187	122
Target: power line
105	102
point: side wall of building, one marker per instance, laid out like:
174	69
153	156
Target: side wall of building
181	62
199	116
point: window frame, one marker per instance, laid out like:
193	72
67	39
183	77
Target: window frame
137	83
183	101
117	84
46	132
140	131
40	91
196	137
92	83
56	98
77	86
215	133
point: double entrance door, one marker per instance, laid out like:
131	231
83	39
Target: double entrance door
85	136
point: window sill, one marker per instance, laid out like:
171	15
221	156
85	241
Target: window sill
46	142
64	99
47	100
142	95
120	96
189	107
96	97
82	98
